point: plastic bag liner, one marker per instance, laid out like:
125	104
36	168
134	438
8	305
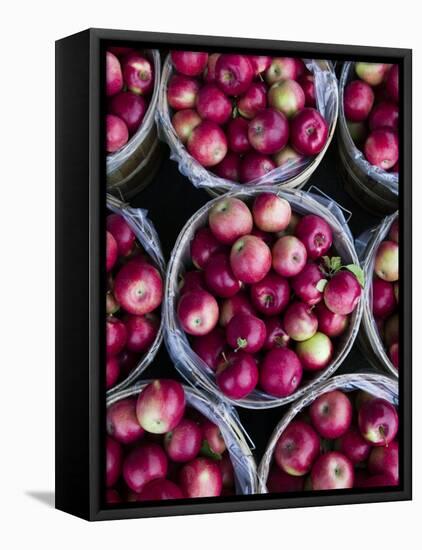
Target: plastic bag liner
389	179
231	429
147	236
188	363
367	245
375	384
293	174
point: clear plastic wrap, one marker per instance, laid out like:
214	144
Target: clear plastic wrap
367	245
147	236
188	363
232	430
375	384
389	180
292	175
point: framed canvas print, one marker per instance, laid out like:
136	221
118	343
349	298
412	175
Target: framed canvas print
233	312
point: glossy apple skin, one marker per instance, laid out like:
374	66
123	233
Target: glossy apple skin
307	82
182	92
123	234
277	337
387	261
288	155
219	276
385	460
288	256
253	100
230	219
304	284
122	423
210	347
111	251
281	68
116	336
378	422
316	235
383	299
138	74
352	445
250	259
300	322
203	246
131	108
112	371
382	148
287	97
271	213
141	332
308	132
237	135
358	100
138	287
189	63
280	482
233	73
212	434
212	104
209	71
237	376
184	122
183	443
297	448
271	295
246	332
117	133
254	166
316	352
229	167
113	461
144	464
160	489
371	73
160	406
384	115
260	63
239	303
392	83
207	143
332	471
268	131
331	414
198	312
114	77
201	478
280	372
342	293
331	324
192	280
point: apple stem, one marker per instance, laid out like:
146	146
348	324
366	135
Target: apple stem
241	343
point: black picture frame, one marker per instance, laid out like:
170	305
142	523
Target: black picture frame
80	199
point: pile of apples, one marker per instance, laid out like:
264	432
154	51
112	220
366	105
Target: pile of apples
134	294
242	116
385	292
372	113
267	298
129	85
159	449
340	441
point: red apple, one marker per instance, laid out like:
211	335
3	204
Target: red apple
233	73
246	332
316	235
371	73
268	131
192	280
219	276
331	414
212	435
277	337
229	167
342	293
387	261
280	372
127	361
123	234
393	353
289	256
112	371
271	295
144	464
237	135
332	471
393	234
358	100
160	489
288	156
382	148
203	246
184	122
182	92
111	251
250	259
113	461
254	166
308	132
160	406
207	143
141	332
305	284
114	77
212	104
271	213
117	133
281	68
138	74
384	115
183	443
391	332
131	108
122	422
316	352
307	81
287	97
297	448
209	71
260	63
385	460
300	322
201	478
116	335
239	303
352	445
189	63
383	299
392	83
280	482
378	422
227	471
229	219
253	100
331	324
210	347
198	312
237	374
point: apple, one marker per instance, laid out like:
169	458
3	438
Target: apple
305	283
198	312
271	213
300	322
378	422
116	335
112	371
289	256
281	68
352	445
111	251
358	131
219	276
203	246
379	480
112	497
260	63
371	73
192	280
209	71
342	293
393	353
184	122
144	464
141	332
316	352
396	291
113	461
123	234
383	299
131	108
212	104
112	305
138	287
384	115
117	133
122	423
237	374
207	143
268	238
391	332
138	74
277	337
300	68
229	167
233	73
182	92
297	448
189	63
307	82
227	471
382	148
271	295
385	460
280	372
287	156
250	259
114	77
268	131
358	100
201	478
393	234
332	470
253	100
287	97
183	443
160	489
331	414
315	234
255	166
331	324
160	406
237	135
392	83
308	132
387	261
239	303
212	435
210	347
280	482
246	332
128	360
230	218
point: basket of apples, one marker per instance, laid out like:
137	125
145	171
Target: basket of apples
343	435
135	272
368	134
262	297
233	119
380	320
132	86
169	441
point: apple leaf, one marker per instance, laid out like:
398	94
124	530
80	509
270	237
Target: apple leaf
357	272
208	452
327	261
321	284
332	264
